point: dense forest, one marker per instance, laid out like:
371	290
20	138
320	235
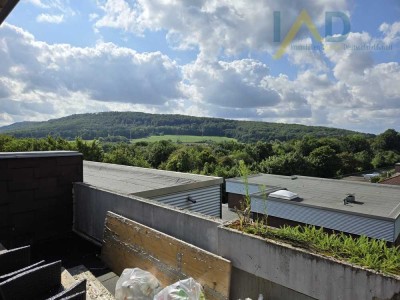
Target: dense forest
322	157
134	125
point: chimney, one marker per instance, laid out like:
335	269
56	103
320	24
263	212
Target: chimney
397	168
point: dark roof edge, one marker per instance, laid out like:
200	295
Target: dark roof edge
38	154
179	188
6	10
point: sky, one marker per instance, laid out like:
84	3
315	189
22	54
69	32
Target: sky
214	58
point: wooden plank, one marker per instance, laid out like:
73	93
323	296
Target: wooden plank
128	244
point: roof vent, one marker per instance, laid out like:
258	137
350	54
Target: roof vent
350	198
284	194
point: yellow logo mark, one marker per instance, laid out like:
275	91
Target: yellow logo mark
303	18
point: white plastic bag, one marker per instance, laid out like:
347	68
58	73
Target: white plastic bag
187	289
136	284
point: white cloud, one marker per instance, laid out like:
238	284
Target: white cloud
57	11
35	76
39	3
93	16
391	32
237	84
214	26
302	54
46	18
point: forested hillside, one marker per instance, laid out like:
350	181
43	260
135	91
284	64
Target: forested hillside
138	125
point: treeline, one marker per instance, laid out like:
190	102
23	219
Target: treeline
134	125
322	157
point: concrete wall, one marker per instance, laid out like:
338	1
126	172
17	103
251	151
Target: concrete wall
36	195
247	285
91	205
309	274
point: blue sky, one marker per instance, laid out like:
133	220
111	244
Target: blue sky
204	58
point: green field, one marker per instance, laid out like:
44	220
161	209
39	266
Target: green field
184	139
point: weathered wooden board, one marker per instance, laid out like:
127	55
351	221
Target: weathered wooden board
128	244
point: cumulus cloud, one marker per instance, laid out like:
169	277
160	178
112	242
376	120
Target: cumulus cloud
391	33
213	26
237	84
46	18
32	72
56	10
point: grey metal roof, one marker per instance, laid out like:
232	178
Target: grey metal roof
378	200
142	182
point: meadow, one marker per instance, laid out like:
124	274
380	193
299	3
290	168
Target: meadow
187	139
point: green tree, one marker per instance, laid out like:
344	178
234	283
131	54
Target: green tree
355	143
159	152
385	158
180	161
260	150
348	163
389	140
324	162
125	155
288	164
4	140
363	160
90	150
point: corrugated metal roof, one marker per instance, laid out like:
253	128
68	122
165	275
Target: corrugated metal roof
207	200
142	182
378	200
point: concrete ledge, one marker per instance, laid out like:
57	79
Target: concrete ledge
307	273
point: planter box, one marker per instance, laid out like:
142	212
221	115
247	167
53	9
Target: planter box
311	274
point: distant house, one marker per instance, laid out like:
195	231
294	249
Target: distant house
352	207
395	179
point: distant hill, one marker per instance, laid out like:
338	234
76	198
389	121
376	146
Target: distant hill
138	125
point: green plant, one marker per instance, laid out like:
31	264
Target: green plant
244	212
363	251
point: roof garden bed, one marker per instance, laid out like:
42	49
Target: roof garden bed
362	251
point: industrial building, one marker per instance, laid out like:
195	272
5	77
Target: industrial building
352	207
193	192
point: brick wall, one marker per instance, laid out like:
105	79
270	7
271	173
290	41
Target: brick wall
36	195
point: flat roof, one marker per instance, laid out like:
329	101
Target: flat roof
35	154
378	200
142	182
